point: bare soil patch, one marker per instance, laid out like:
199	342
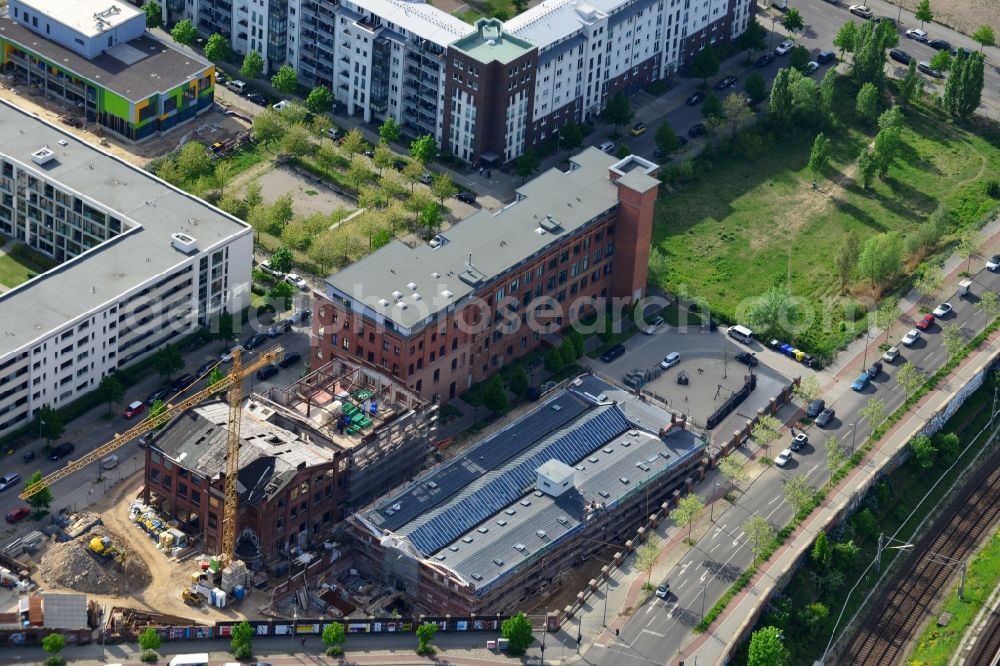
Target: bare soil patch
962	15
70	565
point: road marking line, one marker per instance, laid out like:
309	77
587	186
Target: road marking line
714	547
655	633
774	500
812	469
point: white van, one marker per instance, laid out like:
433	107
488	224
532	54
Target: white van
606	147
236	86
741	333
195	659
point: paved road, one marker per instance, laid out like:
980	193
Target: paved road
658	630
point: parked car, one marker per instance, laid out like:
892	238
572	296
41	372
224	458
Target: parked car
266	267
891	354
861	382
181	383
613	353
765	60
815	407
696	130
824	57
282	105
911	338
662	590
205	368
134	409
334	133
800	440
61	450
926	322
783	458
228	356
810	67
670	360
993	263
158	394
257	99
279	327
695	99
18	514
289	359
399	165
653	326
863	11
301	316
727	82
254	341
784	48
296	281
887	19
9	479
466	197
942	309
961	50
268	371
426	177
747	358
875	370
926	68
916	34
824	418
638	129
939	44
901	56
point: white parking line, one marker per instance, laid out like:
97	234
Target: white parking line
929	354
714	547
655	633
774	500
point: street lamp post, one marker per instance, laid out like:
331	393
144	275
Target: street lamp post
715	490
882	540
854	435
864	363
952	562
704	592
295	620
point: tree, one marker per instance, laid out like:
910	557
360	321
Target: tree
798	492
334	637
149	640
268	127
389	130
518	382
383	157
989	305
845	553
874	411
319	100
911	84
705	64
929	279
645	557
766	312
358	175
53	644
869	52
984	36
526	164
953	339
867	102
253	198
423	149
808	389
567	350
767	648
734	471
354	143
885	149
216	48
158	408
819	155
923	12
736	111
553	361
822	552
285	80
815	613
886	315
282	259
755	87
881	259
425	634
214	377
781	107
443	187
666	138
167	361
192	161
963	91
846	38
253	66
942	61
793	20
619	111
924	451
154	15
111	390
298	141
835	455
765	431
947	445
241	644
688	508
752	39
760	533
968	244
909	378
570	137
711	109
867	167
798	58
183	33
517	630
41	500
847	257
494	397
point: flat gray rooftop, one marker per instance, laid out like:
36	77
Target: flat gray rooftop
429	280
155	67
153	208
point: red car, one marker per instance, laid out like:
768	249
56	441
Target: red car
134	409
925	323
18	514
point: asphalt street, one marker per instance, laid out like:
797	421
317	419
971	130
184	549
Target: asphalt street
656	632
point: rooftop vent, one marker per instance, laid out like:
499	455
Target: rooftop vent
520	547
550	225
184	243
497	561
383	302
540	534
477	576
396	295
412	285
43	155
447	294
562	520
502	523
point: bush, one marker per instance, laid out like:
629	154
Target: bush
150	657
993	189
334	651
55	661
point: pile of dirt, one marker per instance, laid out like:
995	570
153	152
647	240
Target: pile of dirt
70	564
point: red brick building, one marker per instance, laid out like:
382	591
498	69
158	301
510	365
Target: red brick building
442	315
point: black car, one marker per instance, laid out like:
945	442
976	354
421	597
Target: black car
466	197
61	450
682	141
399	165
254	341
725	83
613	353
939	45
824	418
268	371
696	99
369	153
814	408
879	19
696	130
291	358
158	394
765	60
181	383
205	368
257	99
747	358
899	55
875	370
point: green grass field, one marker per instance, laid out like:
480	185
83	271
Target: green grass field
745	224
16	270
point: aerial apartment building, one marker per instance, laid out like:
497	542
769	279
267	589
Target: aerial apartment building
140	264
442	315
96	56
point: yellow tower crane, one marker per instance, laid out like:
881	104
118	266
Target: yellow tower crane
232	382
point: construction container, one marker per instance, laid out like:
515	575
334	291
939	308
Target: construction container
214	564
240	593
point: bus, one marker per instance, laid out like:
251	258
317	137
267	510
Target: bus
193	659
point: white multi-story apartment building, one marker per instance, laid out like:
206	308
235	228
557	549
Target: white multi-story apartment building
140	264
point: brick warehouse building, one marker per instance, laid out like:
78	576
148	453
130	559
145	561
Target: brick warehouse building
442	315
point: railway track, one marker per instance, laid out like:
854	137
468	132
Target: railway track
891	625
986	651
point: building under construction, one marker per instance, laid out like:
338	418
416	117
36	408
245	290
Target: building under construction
309	454
508	519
